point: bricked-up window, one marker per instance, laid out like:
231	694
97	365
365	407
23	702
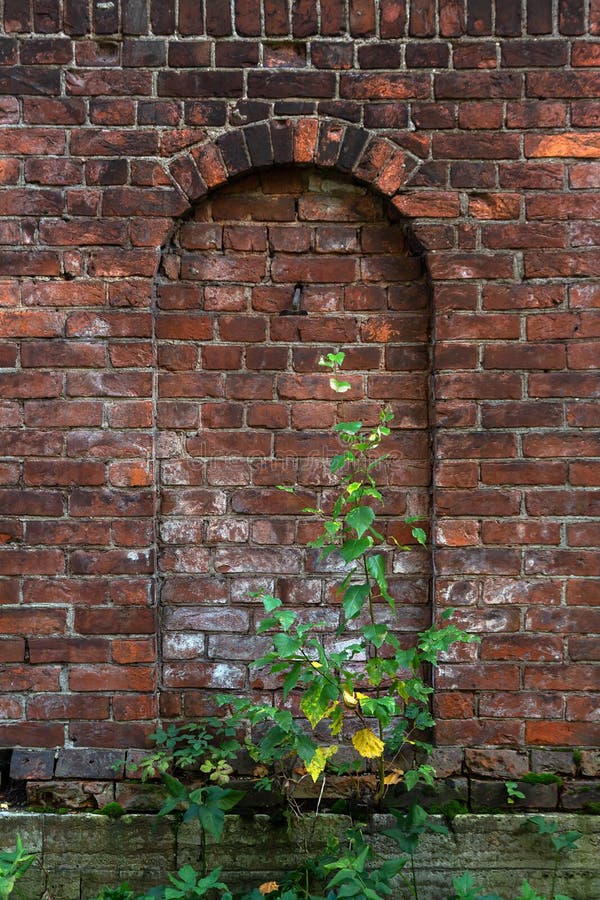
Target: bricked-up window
243	407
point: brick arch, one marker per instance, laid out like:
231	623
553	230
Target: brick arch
311	140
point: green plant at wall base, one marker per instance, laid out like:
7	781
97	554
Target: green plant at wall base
186	885
208	746
13	864
466	889
370	686
409	828
121	892
361	689
561	843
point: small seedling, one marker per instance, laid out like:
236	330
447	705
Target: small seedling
466	889
513	792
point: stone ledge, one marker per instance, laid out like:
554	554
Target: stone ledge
78	854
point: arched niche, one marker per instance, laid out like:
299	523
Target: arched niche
264	276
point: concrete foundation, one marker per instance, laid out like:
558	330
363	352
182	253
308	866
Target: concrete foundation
79	854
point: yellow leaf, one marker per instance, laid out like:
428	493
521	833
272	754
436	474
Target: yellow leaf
319	761
368	744
267	887
393	777
350	700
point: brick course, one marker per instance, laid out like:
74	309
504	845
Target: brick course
170	171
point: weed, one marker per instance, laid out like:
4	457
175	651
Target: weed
13	864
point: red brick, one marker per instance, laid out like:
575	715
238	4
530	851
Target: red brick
490	145
12	650
479	385
68	650
114	620
111	678
379	87
564	84
523	472
110	562
31	734
520	704
67	533
64	590
584	473
482	501
203	675
477	732
433	204
80	706
562	733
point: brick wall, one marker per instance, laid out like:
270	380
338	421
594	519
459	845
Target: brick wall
170	171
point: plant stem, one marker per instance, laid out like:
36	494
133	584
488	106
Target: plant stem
381	774
414	876
554	875
202	852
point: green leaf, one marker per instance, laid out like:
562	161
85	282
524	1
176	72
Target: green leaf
224	798
411	779
566	841
360	518
348	427
420	536
353	549
319	761
270	603
372	492
354	599
286	618
340	460
543	825
286	645
175	788
528	893
317	700
376	569
376	634
340	387
332	360
266	625
382	708
212	819
375	670
291	679
305	748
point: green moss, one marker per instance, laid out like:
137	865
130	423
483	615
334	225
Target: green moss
449	810
112	810
577	757
57	811
593	808
542	778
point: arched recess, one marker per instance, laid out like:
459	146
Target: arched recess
243	405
